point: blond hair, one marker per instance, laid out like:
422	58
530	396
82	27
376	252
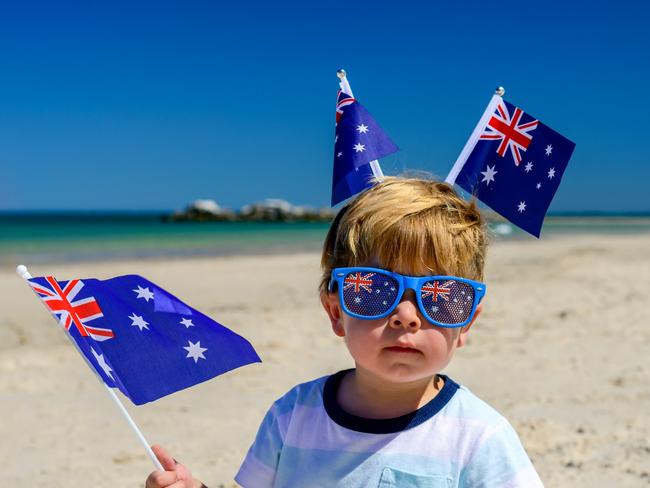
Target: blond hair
408	225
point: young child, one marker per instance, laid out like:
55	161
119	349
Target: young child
402	265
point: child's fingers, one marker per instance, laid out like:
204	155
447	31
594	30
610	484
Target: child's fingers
181	484
162	479
164	457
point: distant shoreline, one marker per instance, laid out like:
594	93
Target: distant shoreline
52	238
161	215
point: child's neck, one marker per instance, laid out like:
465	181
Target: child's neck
364	394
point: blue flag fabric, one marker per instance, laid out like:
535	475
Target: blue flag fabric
513	163
140	338
359	142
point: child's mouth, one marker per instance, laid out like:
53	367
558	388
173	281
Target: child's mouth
402	349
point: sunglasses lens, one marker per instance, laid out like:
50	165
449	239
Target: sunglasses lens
369	294
448	302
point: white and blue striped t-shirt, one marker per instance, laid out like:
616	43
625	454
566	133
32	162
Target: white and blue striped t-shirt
455	440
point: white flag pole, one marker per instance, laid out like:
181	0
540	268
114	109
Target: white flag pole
345	88
24	274
473	139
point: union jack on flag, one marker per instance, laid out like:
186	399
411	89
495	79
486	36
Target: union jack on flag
513	163
60	302
342	100
509	130
158	344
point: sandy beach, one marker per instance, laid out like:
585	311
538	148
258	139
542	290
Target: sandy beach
561	350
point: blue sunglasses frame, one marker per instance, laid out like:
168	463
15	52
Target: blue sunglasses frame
405	283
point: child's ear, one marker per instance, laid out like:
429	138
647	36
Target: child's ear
330	303
464	332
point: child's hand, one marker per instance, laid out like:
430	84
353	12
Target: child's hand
175	475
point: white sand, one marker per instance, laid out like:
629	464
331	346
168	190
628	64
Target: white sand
561	349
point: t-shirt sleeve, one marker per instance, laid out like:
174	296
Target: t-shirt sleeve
501	461
260	465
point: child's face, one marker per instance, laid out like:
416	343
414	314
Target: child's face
402	347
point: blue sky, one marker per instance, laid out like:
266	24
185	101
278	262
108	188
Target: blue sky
138	105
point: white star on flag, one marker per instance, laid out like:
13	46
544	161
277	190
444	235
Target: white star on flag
187	323
102	363
488	175
339	154
357	300
145	293
529	167
358	147
551	172
138	321
362	129
539	185
549	150
195	351
521	207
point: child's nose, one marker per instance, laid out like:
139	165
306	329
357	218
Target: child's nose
406	314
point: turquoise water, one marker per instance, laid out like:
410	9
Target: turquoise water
29	239
32	239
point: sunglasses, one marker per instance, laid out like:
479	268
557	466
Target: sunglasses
372	293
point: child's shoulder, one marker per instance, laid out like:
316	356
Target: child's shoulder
469	407
309	393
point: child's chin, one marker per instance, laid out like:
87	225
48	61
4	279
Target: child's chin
406	373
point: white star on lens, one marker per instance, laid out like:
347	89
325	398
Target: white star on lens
462	292
385	283
362	129
187	323
357	300
378	291
138	321
384	302
488	175
549	150
456	300
539	185
392	288
336	139
339	154
529	167
358	147
145	293
102	363
195	351
521	207
434	309
551	172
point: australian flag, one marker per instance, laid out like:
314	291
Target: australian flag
358	144
140	338
513	163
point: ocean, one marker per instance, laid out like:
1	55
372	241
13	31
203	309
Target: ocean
63	237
